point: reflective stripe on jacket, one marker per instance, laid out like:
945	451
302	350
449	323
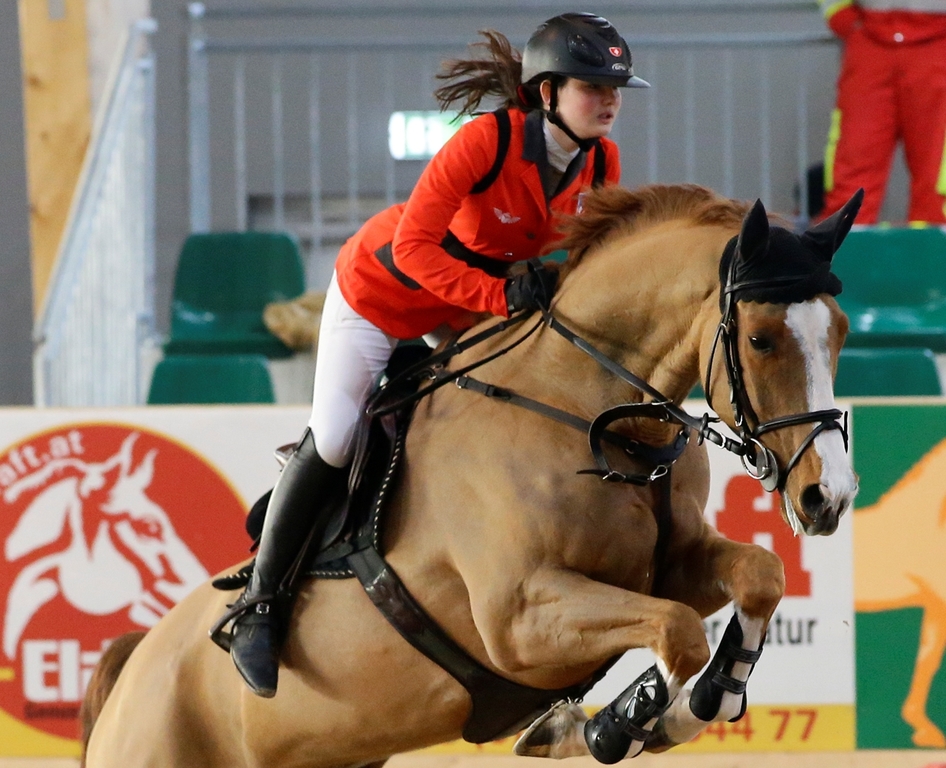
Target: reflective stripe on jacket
892	22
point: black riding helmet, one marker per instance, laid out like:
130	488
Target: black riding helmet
582	46
579	45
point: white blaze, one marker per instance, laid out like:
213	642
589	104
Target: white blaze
809	322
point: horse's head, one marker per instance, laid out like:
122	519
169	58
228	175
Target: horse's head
772	363
144	527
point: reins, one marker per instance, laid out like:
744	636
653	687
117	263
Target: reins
758	460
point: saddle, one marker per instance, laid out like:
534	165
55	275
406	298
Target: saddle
352	548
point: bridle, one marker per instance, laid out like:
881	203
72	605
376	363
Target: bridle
759	461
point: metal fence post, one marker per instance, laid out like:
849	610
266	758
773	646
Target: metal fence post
198	120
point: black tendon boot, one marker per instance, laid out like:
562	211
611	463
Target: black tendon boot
610	733
299	502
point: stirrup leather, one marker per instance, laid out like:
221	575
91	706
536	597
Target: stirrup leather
242	606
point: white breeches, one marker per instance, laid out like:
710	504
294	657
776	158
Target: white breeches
352	353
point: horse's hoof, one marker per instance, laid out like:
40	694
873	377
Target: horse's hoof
557	734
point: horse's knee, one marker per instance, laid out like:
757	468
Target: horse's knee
682	645
758	582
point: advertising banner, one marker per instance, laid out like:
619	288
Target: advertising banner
900	575
107	519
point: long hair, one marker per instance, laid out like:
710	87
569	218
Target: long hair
498	74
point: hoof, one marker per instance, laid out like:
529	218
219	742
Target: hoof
557	734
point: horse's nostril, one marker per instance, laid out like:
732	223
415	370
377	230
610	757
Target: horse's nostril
812	501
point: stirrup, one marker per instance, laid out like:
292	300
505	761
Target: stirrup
242	606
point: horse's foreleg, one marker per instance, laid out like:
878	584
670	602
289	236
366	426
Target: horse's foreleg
752	578
566	621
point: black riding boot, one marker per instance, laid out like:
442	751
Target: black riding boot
298	503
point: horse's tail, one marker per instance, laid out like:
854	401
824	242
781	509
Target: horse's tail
102	681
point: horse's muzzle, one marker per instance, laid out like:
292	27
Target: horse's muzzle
823	513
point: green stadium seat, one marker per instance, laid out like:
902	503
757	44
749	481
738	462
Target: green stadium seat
223	282
885	372
207	379
894	286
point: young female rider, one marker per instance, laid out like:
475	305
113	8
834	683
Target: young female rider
439	260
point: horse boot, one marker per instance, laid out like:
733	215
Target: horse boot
299	503
629	718
706	699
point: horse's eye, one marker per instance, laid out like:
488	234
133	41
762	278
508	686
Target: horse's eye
761	343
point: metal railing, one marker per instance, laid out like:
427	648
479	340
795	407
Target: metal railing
96	327
752	137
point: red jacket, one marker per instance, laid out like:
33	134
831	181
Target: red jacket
891	22
395	271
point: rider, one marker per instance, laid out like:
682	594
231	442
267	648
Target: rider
438	260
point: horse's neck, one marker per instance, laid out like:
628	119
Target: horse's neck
646	313
649	303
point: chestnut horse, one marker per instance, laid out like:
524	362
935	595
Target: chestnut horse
540	573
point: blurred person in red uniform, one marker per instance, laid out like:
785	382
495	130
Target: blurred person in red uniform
439	261
892	87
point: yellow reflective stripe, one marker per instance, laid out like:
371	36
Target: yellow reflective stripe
829	8
941	179
834	133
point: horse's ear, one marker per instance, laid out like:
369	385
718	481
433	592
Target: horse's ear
827	236
754	237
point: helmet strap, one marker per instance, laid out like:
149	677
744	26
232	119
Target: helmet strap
553	117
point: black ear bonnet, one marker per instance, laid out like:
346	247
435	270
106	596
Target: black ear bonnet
775	265
794	273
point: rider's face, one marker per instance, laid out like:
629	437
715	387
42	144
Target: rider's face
588	109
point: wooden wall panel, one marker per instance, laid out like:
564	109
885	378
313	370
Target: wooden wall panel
58	121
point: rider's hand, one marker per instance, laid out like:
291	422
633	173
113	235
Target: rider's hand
533	290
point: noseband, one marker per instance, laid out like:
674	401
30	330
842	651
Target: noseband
759	460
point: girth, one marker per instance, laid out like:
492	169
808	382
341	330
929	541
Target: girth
500	707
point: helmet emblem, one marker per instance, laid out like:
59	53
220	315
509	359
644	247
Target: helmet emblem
615	50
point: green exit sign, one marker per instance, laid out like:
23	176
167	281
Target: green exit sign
419	135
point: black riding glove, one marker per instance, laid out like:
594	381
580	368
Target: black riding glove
533	290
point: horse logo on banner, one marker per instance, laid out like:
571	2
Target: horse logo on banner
98	538
899	541
133	538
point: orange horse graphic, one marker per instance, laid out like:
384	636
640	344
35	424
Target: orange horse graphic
899	544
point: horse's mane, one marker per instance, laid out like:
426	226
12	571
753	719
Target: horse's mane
612	210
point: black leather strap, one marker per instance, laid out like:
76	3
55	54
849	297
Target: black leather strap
385	254
500	706
492	267
452	245
597	178
504	125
